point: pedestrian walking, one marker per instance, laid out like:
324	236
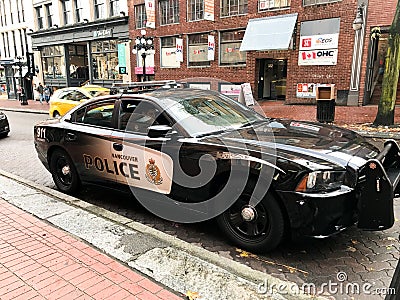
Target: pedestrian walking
46	93
40	90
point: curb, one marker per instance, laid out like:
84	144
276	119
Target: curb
233	267
32	111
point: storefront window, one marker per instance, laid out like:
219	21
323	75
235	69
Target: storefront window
105	60
198	50
53	62
316	2
78	67
168	52
230	42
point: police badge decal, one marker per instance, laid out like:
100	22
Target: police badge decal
153	174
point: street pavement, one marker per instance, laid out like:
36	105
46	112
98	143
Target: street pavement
364	257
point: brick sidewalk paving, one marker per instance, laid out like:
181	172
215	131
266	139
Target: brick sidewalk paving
39	261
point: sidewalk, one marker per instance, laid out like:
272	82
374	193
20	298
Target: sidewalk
39	261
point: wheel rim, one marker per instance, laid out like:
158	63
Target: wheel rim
255	229
63	171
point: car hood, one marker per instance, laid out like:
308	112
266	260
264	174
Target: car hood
313	145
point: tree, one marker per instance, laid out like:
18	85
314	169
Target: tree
385	115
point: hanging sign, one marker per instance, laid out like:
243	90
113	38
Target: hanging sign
150	13
246	95
179	50
209	10
211	47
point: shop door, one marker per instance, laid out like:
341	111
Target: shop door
272	79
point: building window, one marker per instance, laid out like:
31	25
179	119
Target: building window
195	10
67	11
114	8
53	62
229	53
99	9
198	50
105	60
39	17
233	7
49	14
273	4
140	16
316	2
21	38
168	52
79	11
169	12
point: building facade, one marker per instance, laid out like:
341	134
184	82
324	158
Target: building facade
78	42
283	48
16	19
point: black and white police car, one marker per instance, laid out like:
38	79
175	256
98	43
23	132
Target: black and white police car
4	125
189	155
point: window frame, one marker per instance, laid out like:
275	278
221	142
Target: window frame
171	45
78	9
114	8
192	16
318	2
221	42
89	107
140	16
99	13
239	13
277	7
68	17
49	14
203	41
39	17
171	12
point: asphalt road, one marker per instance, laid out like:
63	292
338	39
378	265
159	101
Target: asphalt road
343	263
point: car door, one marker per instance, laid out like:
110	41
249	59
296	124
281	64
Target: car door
142	161
88	141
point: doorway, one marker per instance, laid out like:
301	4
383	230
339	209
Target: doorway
272	79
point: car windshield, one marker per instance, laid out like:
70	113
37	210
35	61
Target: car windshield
203	113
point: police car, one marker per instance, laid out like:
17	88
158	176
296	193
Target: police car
189	155
4	125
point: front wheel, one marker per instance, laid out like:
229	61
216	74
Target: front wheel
256	229
64	172
56	114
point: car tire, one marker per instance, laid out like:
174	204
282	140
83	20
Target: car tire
64	172
56	114
3	135
264	233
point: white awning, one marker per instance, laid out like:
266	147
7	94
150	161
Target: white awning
271	33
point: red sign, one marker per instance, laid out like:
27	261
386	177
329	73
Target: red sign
306	43
149	70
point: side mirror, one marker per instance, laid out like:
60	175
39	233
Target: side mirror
157	131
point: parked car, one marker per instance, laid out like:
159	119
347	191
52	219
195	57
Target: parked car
189	155
66	98
4	125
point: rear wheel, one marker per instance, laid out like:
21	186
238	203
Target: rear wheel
64	172
56	114
256	229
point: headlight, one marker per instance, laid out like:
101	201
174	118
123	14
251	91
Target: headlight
2	116
321	181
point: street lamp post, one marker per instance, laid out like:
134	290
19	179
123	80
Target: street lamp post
22	96
144	46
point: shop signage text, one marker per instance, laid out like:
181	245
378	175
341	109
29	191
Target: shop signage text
105	33
318	57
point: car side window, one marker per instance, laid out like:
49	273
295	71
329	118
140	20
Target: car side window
137	116
98	114
76	96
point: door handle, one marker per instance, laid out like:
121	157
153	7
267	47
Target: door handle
70	137
118	147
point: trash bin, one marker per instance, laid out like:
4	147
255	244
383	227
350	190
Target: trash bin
325	96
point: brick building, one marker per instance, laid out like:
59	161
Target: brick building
290	46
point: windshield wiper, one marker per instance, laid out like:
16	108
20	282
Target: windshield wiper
251	123
211	133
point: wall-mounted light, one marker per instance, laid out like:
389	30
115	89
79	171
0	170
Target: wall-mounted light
31	30
85	21
122	14
55	26
358	21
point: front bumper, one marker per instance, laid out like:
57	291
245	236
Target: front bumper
4	127
369	203
320	214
